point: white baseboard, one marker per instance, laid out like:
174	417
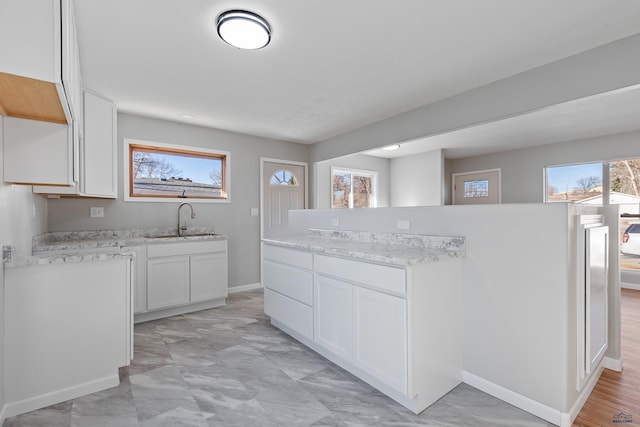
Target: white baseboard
243	288
587	389
632	286
534	407
613	364
547	413
47	399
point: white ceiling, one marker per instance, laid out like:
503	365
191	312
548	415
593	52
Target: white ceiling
604	114
332	65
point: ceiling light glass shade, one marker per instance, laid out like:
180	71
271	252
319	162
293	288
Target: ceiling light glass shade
391	147
243	29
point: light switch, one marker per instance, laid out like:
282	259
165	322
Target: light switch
255	212
97	212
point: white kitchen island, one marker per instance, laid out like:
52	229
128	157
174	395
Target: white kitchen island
386	307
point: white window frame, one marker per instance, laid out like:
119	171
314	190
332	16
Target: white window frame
360	172
227	172
605	180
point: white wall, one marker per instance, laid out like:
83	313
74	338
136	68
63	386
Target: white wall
519	287
356	161
22	215
523	169
418	180
228	218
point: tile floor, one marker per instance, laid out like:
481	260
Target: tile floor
229	367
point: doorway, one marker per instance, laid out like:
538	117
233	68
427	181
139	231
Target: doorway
283	188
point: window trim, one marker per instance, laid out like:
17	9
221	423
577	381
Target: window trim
359	172
174	148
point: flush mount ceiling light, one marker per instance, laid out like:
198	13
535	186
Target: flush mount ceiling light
244	30
391	147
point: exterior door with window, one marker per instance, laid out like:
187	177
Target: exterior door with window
475	188
283	190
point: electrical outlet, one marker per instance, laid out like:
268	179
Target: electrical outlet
335	222
97	212
403	225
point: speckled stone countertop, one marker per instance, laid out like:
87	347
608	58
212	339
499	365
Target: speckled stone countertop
98	239
43	259
101	245
388	248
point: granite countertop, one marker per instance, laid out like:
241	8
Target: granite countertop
387	248
84	240
101	245
45	258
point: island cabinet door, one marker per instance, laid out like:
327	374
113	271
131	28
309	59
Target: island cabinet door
333	315
167	282
380	336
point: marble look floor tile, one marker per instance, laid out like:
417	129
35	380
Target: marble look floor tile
115	401
229	367
58	415
104	421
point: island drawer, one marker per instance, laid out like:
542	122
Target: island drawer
289	281
381	277
288	256
291	313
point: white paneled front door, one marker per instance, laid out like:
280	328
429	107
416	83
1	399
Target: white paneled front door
283	187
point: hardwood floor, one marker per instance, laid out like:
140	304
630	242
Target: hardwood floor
618	392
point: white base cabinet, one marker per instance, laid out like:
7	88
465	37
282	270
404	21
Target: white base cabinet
68	328
183	277
399	328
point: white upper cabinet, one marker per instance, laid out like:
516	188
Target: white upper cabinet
41	81
37	152
96	154
98	166
40	73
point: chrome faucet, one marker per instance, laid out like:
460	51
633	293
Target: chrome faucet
181	228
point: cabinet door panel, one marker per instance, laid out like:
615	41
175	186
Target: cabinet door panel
208	276
99	166
140	285
167	282
333	316
380	329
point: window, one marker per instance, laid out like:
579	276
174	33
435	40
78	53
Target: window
158	172
477	188
583	184
352	189
283	177
574	183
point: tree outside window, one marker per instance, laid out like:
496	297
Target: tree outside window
352	189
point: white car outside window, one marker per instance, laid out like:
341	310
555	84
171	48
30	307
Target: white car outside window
631	240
